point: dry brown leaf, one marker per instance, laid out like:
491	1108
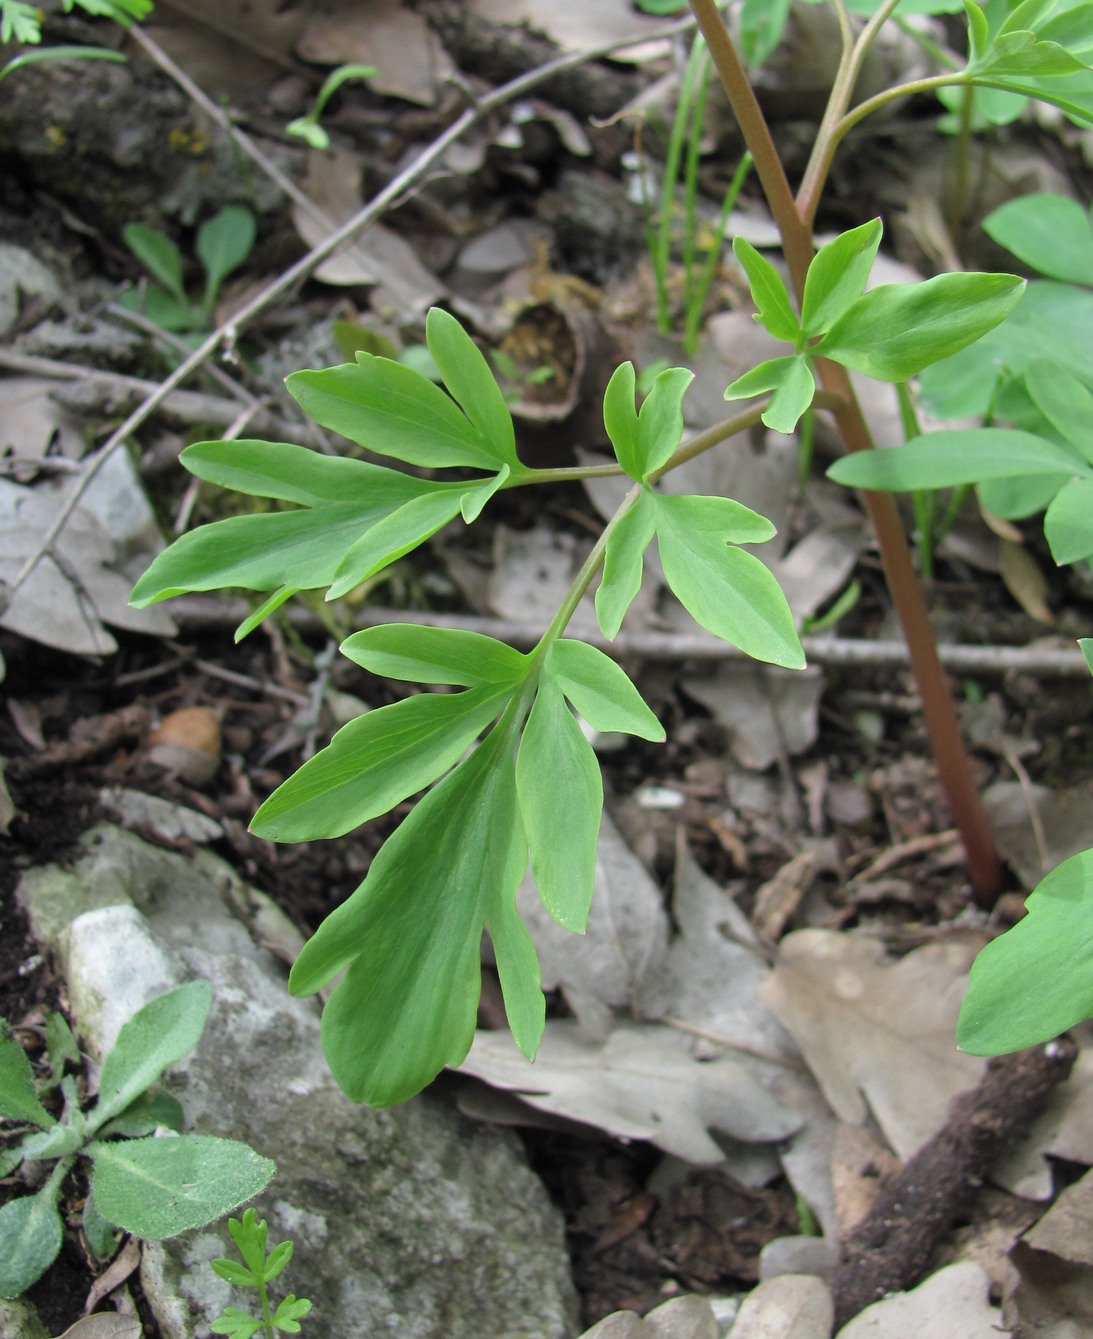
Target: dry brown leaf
105	1325
573	27
1063	1130
639	1084
379	255
124	1263
410	63
624	948
712	975
951	1304
768	712
1024	580
860	1164
878	1035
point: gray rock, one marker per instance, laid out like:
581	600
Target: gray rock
20	1320
412	1221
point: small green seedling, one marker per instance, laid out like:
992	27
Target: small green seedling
22	23
151	1186
308	127
223	244
257	1271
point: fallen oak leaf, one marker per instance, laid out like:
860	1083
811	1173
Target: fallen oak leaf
640	1083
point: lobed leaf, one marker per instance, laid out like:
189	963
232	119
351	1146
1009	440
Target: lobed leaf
291	473
1036	980
623	564
727	591
620	419
792	398
838	275
767	376
660	419
414	653
601	690
560	790
392	410
283	551
768	292
468	378
894	331
376	762
409	938
393	536
156	1188
956	456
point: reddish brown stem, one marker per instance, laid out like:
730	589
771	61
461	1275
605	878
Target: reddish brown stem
946	740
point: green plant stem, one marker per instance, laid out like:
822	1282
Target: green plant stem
842	90
962	164
520	705
950	756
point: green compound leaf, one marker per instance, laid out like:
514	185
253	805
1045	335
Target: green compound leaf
838	275
894	331
956	456
1049	233
156	1188
793	384
1086	645
727	591
561	802
792	397
376	762
287	472
410	937
468	378
1036	980
623	564
645	440
30	1237
414	653
620	418
768	291
660	419
18	1095
237	1323
394	411
157	1035
288	550
392	537
1068	522
602	691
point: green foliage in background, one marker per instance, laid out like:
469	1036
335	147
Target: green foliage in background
153	1187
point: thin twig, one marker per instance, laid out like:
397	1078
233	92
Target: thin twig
225	334
185	406
1052	662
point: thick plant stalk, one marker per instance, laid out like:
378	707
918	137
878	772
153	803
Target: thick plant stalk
946	739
